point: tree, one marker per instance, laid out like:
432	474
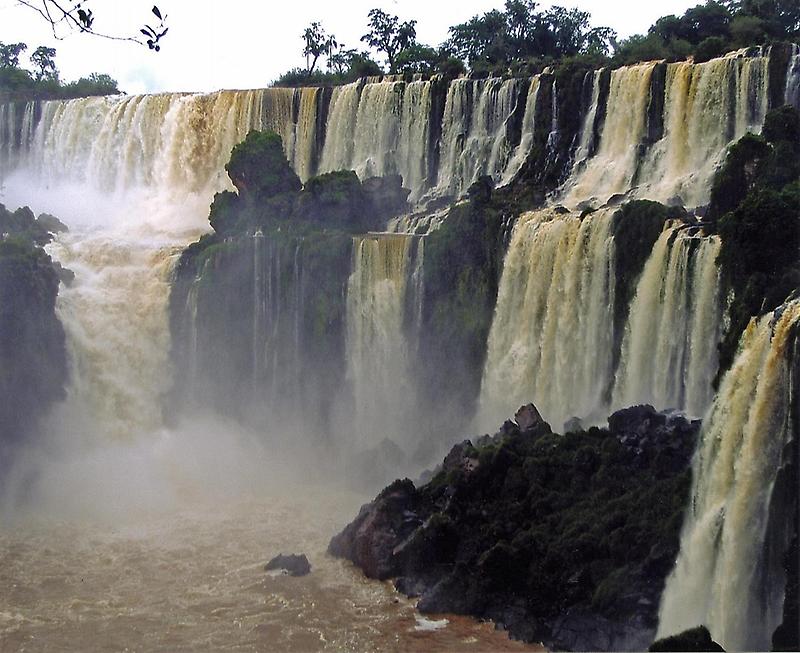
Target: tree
340	59
318	43
388	35
417	58
480	39
9	54
66	16
43	60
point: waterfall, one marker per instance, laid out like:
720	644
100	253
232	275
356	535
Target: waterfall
613	168
669	356
522	150
378	345
115	318
277	327
586	143
722	578
475	132
707	106
550	340
792	93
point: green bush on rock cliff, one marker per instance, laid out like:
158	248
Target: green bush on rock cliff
756	200
258	166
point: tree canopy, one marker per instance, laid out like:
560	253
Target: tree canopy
43	80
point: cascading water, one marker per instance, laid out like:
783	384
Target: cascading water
669	348
792	93
706	107
613	169
115	317
475	132
522	150
550	338
586	143
723	578
378	344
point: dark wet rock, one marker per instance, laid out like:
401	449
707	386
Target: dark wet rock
561	210
573	424
529	419
387	195
675	200
51	223
33	357
561	539
616	199
296	565
369	541
694	639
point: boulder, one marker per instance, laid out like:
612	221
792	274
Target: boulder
296	565
369	540
528	419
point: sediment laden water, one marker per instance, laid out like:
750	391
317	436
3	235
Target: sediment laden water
550	339
115	317
723	577
552	336
706	107
182	141
669	350
383	312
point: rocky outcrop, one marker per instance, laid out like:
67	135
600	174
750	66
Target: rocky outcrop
33	358
561	539
694	639
292	564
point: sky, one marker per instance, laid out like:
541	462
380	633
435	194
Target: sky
248	43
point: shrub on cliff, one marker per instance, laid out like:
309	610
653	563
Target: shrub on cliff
756	200
259	168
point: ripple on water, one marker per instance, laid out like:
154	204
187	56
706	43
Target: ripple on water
195	580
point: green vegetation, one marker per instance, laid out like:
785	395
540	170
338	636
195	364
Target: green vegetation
463	263
521	39
756	201
711	29
43	81
529	527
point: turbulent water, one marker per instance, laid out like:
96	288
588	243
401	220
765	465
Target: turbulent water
675	322
553	330
706	107
724	577
557	280
194	580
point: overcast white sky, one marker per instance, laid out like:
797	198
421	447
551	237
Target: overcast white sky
248	43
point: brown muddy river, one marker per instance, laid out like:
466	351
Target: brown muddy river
193	580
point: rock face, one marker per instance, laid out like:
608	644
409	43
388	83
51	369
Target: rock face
695	639
561	539
33	358
296	565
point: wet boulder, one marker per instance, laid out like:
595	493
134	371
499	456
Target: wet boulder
294	564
